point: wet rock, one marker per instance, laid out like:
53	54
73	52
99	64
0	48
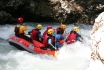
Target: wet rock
97	42
66	11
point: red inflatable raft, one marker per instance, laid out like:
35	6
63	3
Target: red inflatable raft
33	48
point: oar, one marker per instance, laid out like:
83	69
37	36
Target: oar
55	38
55	54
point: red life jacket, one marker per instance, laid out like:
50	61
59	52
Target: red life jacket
44	33
71	38
45	40
59	31
34	34
61	42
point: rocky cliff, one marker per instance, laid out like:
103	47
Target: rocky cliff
66	11
97	44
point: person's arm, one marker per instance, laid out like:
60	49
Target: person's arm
80	38
50	42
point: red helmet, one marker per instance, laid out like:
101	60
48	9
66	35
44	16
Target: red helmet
49	27
20	19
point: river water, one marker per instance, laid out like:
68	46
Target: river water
71	57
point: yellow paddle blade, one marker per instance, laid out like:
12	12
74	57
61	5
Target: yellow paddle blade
55	54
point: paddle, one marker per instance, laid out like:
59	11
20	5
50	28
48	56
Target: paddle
55	38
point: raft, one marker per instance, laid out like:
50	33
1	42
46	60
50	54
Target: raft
22	44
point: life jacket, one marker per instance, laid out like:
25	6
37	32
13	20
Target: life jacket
22	30
71	38
59	31
45	40
53	38
61	42
44	33
34	34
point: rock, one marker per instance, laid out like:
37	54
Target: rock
97	44
66	11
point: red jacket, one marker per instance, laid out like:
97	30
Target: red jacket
34	34
44	33
59	31
71	38
45	40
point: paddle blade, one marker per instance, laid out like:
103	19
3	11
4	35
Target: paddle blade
55	54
